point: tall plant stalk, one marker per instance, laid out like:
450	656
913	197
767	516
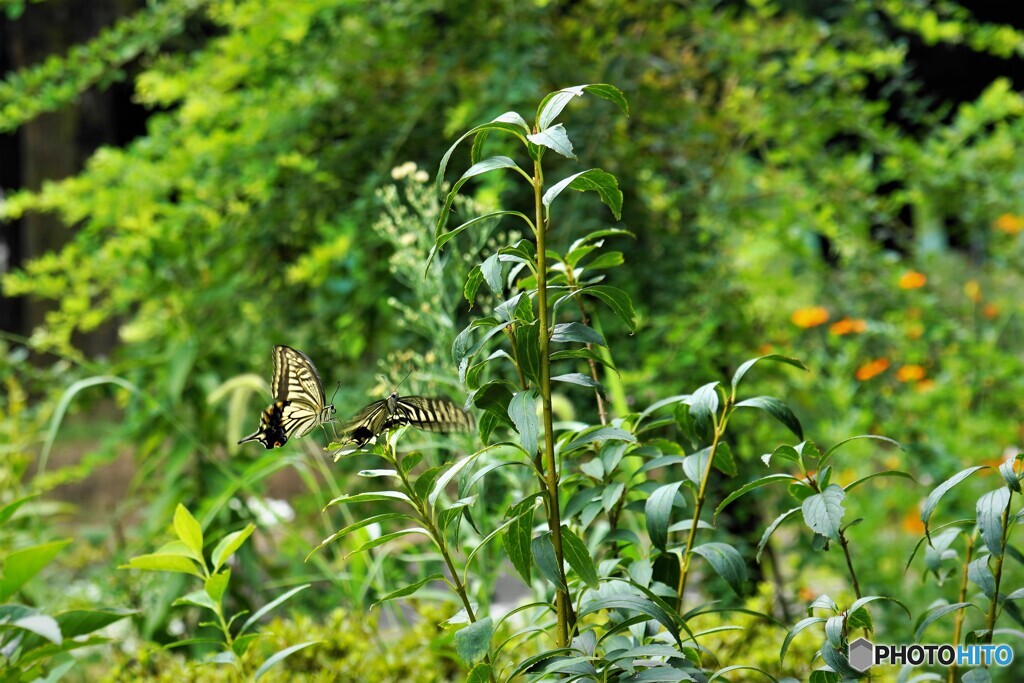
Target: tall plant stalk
551	466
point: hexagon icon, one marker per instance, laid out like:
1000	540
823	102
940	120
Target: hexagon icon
862	654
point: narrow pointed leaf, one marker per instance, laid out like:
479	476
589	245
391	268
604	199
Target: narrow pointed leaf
279	657
777	409
578	557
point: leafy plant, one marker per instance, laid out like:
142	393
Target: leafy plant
33	643
186	556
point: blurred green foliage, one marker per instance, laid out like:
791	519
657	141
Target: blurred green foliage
778	158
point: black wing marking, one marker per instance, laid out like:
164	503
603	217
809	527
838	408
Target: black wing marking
271	433
369	422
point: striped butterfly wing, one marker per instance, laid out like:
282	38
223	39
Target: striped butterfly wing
299	401
430	414
370	422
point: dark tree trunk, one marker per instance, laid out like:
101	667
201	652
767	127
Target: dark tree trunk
56	145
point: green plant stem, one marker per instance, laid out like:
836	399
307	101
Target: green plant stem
958	620
698	506
437	535
997	572
845	543
551	472
515	356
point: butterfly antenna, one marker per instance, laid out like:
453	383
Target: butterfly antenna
403	380
338	386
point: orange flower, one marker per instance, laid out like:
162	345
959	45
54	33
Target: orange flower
912	523
872	369
924	386
990	311
973	290
848	326
809	317
1009	223
912	280
910	373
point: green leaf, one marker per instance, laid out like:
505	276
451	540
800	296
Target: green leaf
278	657
228	545
593	179
784	453
522	410
41	625
578	557
370	496
509	122
635	603
576	332
387	538
7	511
777	409
596	434
933	614
472	286
481	673
1010	475
444	237
410	589
491	270
366	521
158	562
217	584
724	462
241	645
885	473
658	511
22	565
198	599
823	512
188	530
517	538
553	104
528	350
936	495
580	379
831	451
981	576
474	641
750	486
82	622
617	300
727	562
258	614
800	626
979	675
703	405
774	357
546	561
741	667
990	508
554	138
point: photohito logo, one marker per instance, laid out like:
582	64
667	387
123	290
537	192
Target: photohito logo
864	654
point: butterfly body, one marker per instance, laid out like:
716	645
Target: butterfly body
299	401
422	412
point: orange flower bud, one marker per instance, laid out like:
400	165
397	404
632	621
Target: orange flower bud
809	317
872	369
912	280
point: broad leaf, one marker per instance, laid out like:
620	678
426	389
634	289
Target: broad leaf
578	557
823	512
22	565
990	509
727	562
522	410
658	511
